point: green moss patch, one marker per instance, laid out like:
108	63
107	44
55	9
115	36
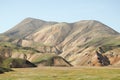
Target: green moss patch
43	57
17	63
52	60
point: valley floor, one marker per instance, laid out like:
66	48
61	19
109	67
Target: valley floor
63	73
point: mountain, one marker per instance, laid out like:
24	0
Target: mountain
26	27
65	32
82	43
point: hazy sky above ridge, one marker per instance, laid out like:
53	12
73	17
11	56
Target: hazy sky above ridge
14	11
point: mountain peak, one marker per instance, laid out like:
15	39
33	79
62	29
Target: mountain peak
88	21
29	19
26	27
95	25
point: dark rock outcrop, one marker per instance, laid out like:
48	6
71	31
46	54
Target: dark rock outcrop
102	59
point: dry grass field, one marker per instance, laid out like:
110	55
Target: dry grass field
63	73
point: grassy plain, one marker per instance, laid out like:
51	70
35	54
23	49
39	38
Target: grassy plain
63	73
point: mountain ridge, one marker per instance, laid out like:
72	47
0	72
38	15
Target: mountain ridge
77	42
30	25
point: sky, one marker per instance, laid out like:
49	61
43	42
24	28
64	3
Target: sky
13	12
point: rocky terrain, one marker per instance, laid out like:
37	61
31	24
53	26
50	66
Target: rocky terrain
82	43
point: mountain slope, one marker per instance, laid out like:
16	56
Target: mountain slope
26	27
79	32
86	42
74	40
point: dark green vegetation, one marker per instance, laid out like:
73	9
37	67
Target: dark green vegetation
52	60
15	48
6	51
43	57
17	63
2	70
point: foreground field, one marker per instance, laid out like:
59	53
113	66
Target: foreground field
61	73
